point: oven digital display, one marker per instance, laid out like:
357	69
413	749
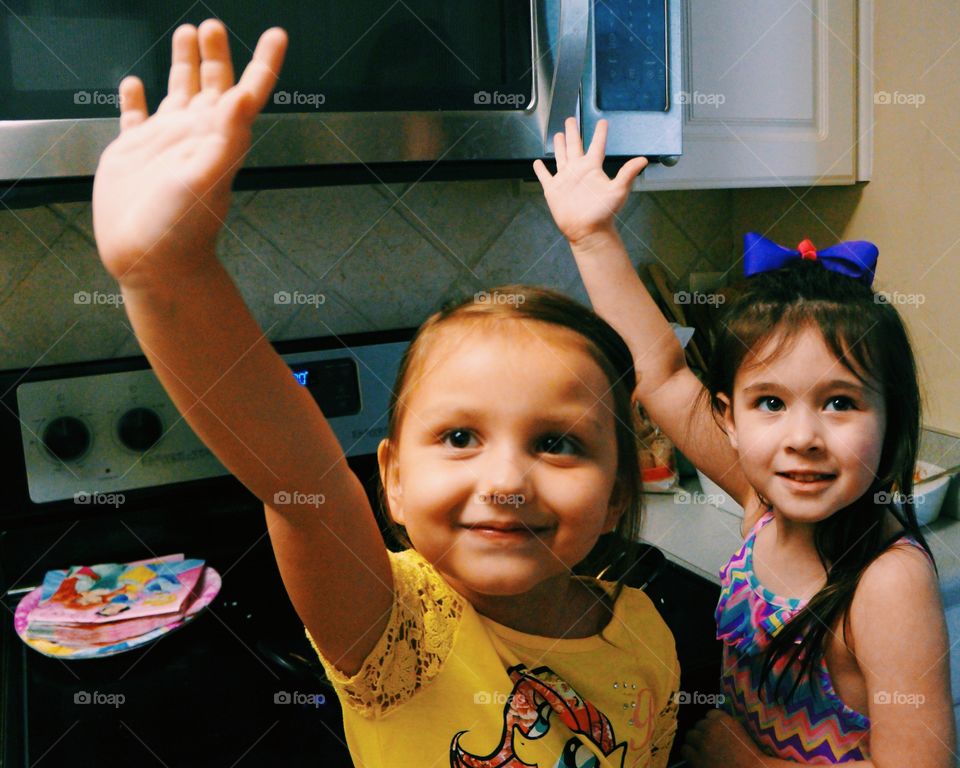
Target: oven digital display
333	384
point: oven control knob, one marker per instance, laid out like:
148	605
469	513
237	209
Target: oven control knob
67	438
139	428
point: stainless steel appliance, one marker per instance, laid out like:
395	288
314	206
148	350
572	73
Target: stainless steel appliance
99	467
368	82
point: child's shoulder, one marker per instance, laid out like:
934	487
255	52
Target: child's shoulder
897	624
637	632
900	569
634	619
415	578
899	586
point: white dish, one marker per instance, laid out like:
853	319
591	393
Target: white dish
928	497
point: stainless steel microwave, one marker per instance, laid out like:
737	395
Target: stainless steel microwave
364	82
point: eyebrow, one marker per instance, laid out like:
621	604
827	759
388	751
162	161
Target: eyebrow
560	422
832	384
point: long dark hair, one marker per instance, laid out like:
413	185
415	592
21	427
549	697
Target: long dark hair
513	303
869	339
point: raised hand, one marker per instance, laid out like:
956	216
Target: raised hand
581	197
162	187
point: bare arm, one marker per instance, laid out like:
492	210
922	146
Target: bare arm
583	201
901	646
160	194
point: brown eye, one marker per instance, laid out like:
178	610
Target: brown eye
558	444
842	403
770	404
457	438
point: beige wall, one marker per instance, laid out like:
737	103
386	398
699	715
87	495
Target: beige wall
911	206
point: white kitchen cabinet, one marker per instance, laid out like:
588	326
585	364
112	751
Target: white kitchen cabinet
774	94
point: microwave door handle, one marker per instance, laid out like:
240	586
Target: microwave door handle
570	58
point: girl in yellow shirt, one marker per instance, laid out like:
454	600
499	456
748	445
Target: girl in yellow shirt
509	453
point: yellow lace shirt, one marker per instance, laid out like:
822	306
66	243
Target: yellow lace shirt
447	686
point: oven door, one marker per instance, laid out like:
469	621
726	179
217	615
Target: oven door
633	77
369	81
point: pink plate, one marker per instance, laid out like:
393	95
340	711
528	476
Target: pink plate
209	588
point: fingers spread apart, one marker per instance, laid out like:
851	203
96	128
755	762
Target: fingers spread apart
184	80
260	75
133	103
216	67
573	145
201	64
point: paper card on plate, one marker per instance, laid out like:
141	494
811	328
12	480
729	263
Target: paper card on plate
96	594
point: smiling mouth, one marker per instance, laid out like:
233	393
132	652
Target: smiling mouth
807	477
507	530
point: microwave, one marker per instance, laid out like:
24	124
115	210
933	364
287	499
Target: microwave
364	83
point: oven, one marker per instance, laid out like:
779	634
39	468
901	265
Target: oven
100	467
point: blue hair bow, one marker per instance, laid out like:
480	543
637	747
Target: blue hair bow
856	258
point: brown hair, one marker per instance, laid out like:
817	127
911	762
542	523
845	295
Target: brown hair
513	303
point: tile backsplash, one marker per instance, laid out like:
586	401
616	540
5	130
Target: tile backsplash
381	256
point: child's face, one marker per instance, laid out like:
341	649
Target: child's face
804	412
512	429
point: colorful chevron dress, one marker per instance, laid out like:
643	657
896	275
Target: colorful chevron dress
815	726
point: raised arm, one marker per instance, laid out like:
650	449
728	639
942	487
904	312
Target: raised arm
160	195
584	201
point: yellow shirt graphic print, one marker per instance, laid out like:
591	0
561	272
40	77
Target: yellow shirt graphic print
542	701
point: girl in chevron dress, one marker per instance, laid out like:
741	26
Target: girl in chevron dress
835	646
834	639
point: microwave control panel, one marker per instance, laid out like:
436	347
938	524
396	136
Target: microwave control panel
632	55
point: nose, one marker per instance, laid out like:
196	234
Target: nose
804	430
504	477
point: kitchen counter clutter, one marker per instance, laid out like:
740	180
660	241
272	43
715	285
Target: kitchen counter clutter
700	537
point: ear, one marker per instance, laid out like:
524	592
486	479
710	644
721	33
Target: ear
615	508
728	424
390	479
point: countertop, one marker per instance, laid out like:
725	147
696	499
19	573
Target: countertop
701	537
